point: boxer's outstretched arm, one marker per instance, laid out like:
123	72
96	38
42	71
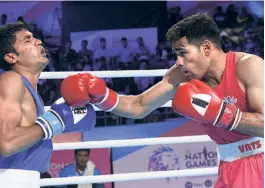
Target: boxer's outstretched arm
13	137
139	106
251	73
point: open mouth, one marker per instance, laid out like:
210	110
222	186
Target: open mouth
187	73
43	52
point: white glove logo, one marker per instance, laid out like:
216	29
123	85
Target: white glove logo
78	113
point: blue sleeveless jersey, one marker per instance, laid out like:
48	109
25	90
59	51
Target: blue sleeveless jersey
37	157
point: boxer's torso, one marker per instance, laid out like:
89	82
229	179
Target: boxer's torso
36	157
232	90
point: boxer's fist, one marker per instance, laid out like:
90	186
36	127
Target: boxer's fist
74	90
85	88
62	118
198	101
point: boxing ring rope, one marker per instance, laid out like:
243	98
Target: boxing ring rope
107	74
124	143
131	142
129	176
168	104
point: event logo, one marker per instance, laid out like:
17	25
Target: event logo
188	184
230	100
208	183
163	158
201	159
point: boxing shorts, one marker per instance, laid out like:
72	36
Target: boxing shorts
17	178
241	164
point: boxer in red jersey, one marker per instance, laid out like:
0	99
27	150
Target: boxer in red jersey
222	91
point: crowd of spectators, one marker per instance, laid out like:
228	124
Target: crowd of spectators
241	31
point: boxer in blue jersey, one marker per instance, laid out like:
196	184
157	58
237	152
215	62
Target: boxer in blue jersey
25	129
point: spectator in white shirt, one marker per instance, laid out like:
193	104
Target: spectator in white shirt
142	52
103	51
126	55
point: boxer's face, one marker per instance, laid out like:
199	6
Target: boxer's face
82	158
31	54
192	59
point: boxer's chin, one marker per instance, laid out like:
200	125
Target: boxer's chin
44	60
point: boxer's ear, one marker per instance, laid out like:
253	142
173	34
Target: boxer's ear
206	47
11	58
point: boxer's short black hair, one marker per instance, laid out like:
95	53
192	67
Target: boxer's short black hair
196	29
78	150
7	40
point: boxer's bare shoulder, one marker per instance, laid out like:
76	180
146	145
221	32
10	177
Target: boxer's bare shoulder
14	95
11	96
248	65
14	91
250	72
11	86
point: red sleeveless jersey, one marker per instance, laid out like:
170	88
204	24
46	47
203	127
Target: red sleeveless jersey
230	90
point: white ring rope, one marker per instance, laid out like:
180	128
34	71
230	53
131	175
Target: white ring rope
107	74
131	142
168	104
130	176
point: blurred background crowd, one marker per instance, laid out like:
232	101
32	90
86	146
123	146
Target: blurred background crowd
241	31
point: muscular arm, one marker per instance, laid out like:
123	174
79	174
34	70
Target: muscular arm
13	137
251	73
139	106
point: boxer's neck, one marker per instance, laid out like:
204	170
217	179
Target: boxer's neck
80	167
32	76
215	72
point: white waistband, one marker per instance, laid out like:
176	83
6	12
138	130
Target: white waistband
240	149
17	178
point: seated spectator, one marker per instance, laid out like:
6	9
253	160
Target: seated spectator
103	51
20	19
85	52
3	19
174	16
126	55
219	17
67	53
142	52
156	62
245	19
231	16
67	57
81	167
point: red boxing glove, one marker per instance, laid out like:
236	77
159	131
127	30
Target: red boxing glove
84	88
198	101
